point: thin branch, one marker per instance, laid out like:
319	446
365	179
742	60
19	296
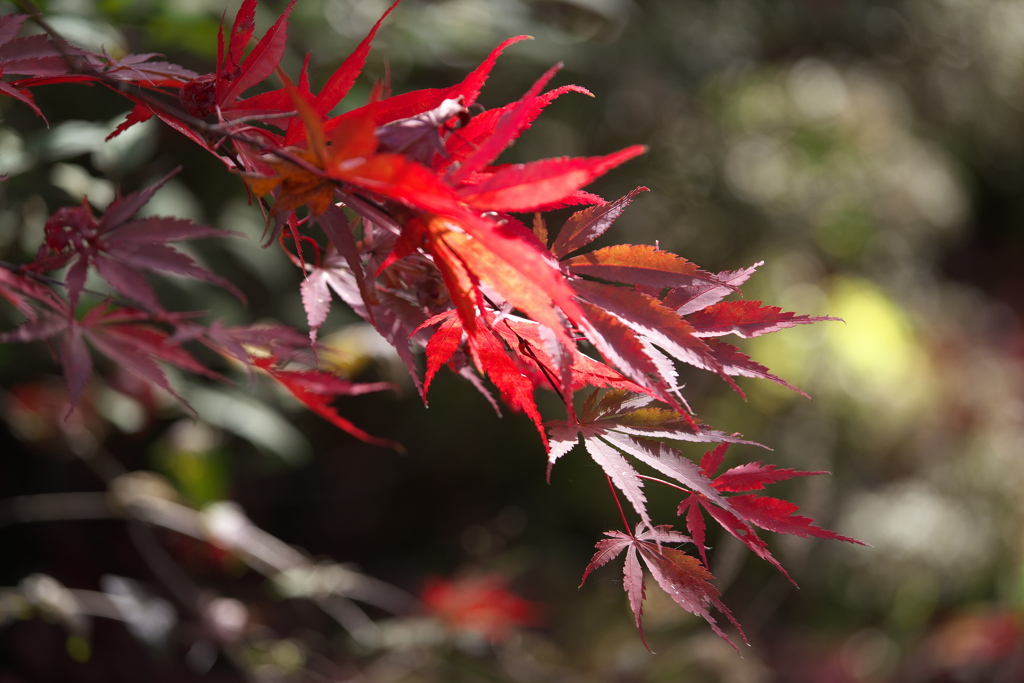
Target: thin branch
224	526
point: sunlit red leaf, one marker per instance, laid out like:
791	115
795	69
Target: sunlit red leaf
404	105
505	131
464	141
344	77
315	389
442	345
736	513
527	187
491	358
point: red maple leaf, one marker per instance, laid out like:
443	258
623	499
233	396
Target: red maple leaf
118	247
125	336
218	92
315	389
737	514
681	576
34	57
621	428
449	216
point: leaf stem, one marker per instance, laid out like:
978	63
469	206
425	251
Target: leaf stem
625	522
666	483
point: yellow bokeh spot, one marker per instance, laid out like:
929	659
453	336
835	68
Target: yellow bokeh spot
877	357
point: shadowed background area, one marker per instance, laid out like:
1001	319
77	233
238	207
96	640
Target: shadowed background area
870	154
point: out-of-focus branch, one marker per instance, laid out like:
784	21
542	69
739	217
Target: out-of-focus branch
54	507
139	496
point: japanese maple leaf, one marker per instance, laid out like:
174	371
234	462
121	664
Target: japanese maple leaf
630	327
341	262
43	59
141	69
519	356
315	388
457	214
33	57
491	357
737	514
622	427
218	92
125	336
25	293
240	342
118	247
647	307
678	574
331	274
469	249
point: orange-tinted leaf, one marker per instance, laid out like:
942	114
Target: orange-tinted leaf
638	264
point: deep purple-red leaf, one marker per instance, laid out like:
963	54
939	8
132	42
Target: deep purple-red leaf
682	577
745	319
585	226
263	59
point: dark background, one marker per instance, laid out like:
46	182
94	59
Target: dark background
869	153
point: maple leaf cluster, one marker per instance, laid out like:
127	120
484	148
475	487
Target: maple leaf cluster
402	208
